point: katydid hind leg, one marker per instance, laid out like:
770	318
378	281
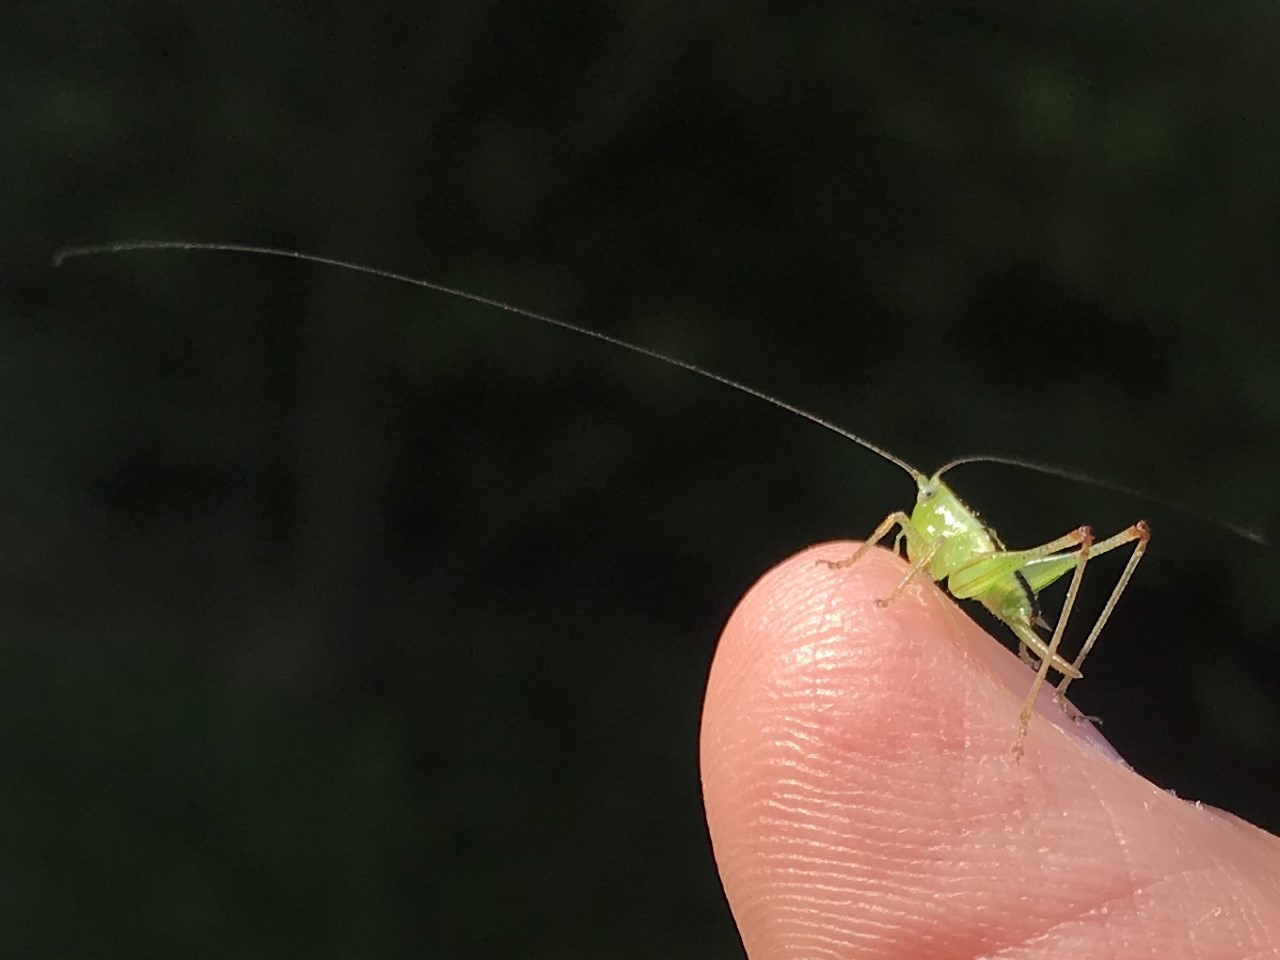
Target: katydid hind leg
1042	572
974	578
1033	649
1140	533
1073	589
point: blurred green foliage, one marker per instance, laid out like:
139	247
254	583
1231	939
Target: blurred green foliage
344	620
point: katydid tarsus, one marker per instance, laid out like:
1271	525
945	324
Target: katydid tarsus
943	537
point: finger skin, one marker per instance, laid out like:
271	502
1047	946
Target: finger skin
864	800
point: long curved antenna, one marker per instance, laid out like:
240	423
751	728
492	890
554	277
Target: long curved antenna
95	250
1248	533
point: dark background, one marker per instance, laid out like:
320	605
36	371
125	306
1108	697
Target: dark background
340	619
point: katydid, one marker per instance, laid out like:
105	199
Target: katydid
943	537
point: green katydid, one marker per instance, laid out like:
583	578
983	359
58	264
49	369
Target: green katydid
946	539
943	537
